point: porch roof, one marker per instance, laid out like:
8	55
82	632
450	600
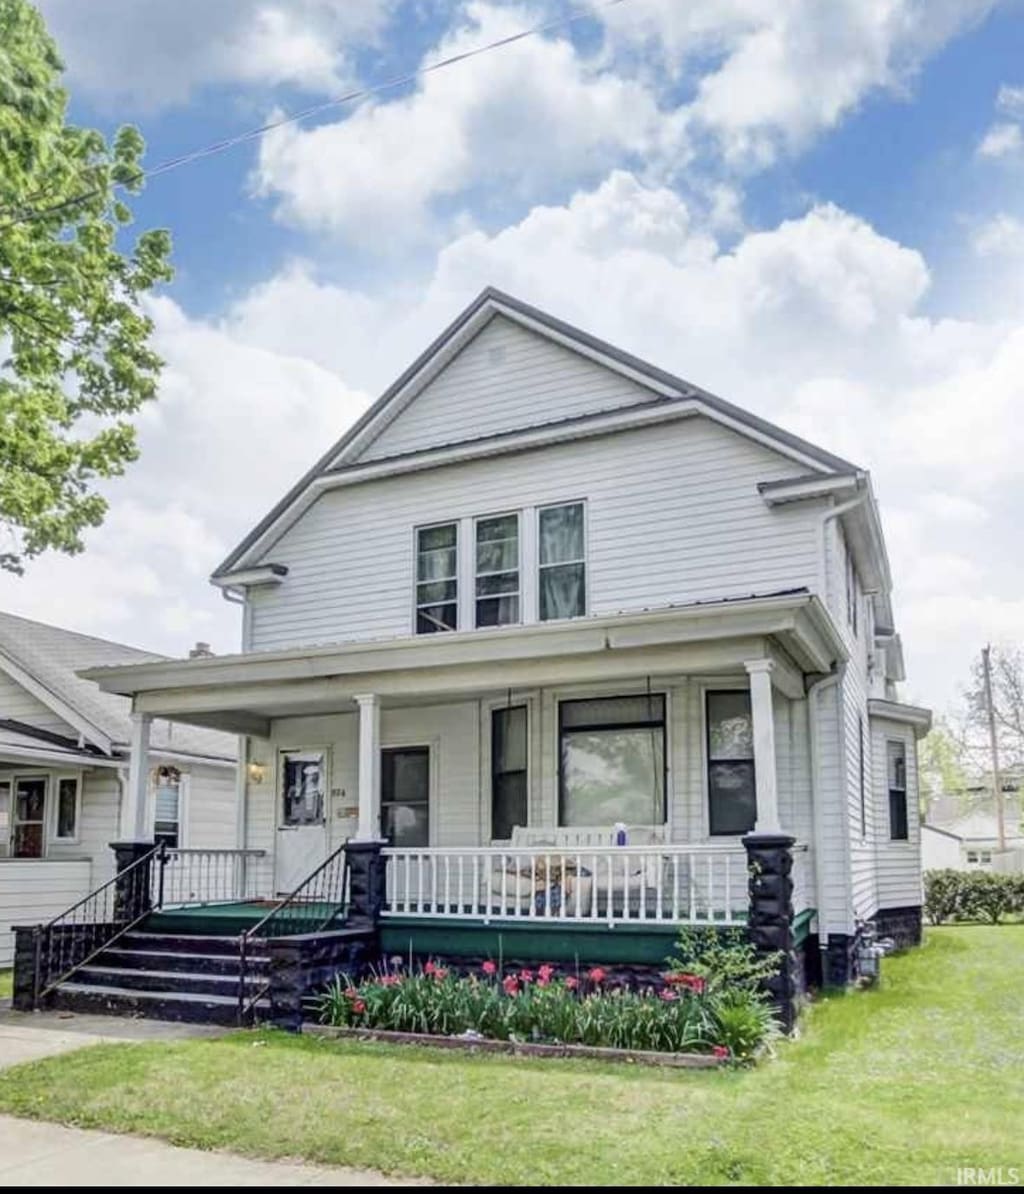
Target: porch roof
243	692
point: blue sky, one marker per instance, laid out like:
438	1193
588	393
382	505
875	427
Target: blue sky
817	210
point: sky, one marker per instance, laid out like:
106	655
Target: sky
814	210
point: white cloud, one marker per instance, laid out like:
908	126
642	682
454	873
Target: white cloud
1002	236
782	73
1001	140
525	120
156	54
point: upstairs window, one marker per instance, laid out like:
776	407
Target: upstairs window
437	578
562	559
732	794
497	570
897	764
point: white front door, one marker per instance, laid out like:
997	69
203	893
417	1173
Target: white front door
302	823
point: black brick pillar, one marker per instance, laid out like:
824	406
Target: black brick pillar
28	941
133	895
365	884
770	917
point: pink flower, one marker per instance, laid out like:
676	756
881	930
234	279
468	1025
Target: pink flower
669	996
571	984
351	993
526	976
692	982
439	974
390	980
489	967
429	968
720	1051
596	974
544	973
511	985
359	1007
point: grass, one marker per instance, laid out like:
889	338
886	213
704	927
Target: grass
898	1085
6	983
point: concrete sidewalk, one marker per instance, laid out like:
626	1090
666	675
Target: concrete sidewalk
43	1154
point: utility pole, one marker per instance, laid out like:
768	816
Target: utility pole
993	741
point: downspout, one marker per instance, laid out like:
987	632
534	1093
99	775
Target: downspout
818	686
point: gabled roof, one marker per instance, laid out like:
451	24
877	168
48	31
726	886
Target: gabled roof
979	825
46	660
666	388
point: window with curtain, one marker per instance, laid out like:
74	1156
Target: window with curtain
732	795
303	783
437	578
612	760
29	817
899	829
508	770
562	562
497	570
67	808
167	807
405	795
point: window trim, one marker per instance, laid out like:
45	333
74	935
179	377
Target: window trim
416	603
182	804
15	778
492	774
707	691
584	560
56	836
414	744
518	594
904	791
613	696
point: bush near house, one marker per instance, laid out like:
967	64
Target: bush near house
971	895
709	1001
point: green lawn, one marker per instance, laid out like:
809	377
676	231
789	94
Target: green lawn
6	983
899	1085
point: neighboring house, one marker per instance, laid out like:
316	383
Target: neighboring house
542	599
967	838
63	764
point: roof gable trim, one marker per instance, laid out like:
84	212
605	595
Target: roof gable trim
55	702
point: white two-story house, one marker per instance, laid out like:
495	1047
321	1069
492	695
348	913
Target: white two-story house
563	630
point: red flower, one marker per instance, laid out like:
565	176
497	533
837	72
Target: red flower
359	1007
526	976
571	984
720	1051
692	982
596	975
429	968
489	967
544	973
511	985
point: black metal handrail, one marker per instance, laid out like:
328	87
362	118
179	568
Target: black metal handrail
313	906
75	936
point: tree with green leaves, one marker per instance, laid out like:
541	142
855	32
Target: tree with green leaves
75	356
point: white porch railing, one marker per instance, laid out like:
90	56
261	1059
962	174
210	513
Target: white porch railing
667	884
207	876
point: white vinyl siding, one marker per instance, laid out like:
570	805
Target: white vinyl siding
898	863
18	704
33	891
98	823
673	516
510	378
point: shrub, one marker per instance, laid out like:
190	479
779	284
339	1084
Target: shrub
724	958
989	897
942	894
681	1014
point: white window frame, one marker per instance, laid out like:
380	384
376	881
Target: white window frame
518	594
584	560
414	741
55	782
15	778
457	523
739	683
183	803
529	699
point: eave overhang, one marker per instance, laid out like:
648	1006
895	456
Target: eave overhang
912	715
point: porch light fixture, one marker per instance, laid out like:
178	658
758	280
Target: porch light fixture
257	772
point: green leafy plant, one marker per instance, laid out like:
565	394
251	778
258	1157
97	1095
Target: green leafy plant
724	958
679	1014
942	894
971	895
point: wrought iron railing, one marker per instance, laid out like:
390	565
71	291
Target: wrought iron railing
319	902
77	935
207	876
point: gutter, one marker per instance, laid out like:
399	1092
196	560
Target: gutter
819	686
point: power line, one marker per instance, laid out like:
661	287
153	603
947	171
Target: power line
218	147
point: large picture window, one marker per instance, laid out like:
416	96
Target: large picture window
508	770
497	570
437	578
405	795
612	760
899	829
732	797
562	562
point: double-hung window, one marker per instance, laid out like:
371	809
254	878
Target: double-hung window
508	770
732	794
899	830
437	578
167	807
68	804
562	562
497	570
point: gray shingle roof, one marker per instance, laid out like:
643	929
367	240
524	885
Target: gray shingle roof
53	657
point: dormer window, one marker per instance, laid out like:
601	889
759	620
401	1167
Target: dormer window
437	578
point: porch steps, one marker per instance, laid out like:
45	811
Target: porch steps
164	976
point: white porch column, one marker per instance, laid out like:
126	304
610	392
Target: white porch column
369	767
136	813
760	673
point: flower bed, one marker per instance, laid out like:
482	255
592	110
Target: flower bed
682	1013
